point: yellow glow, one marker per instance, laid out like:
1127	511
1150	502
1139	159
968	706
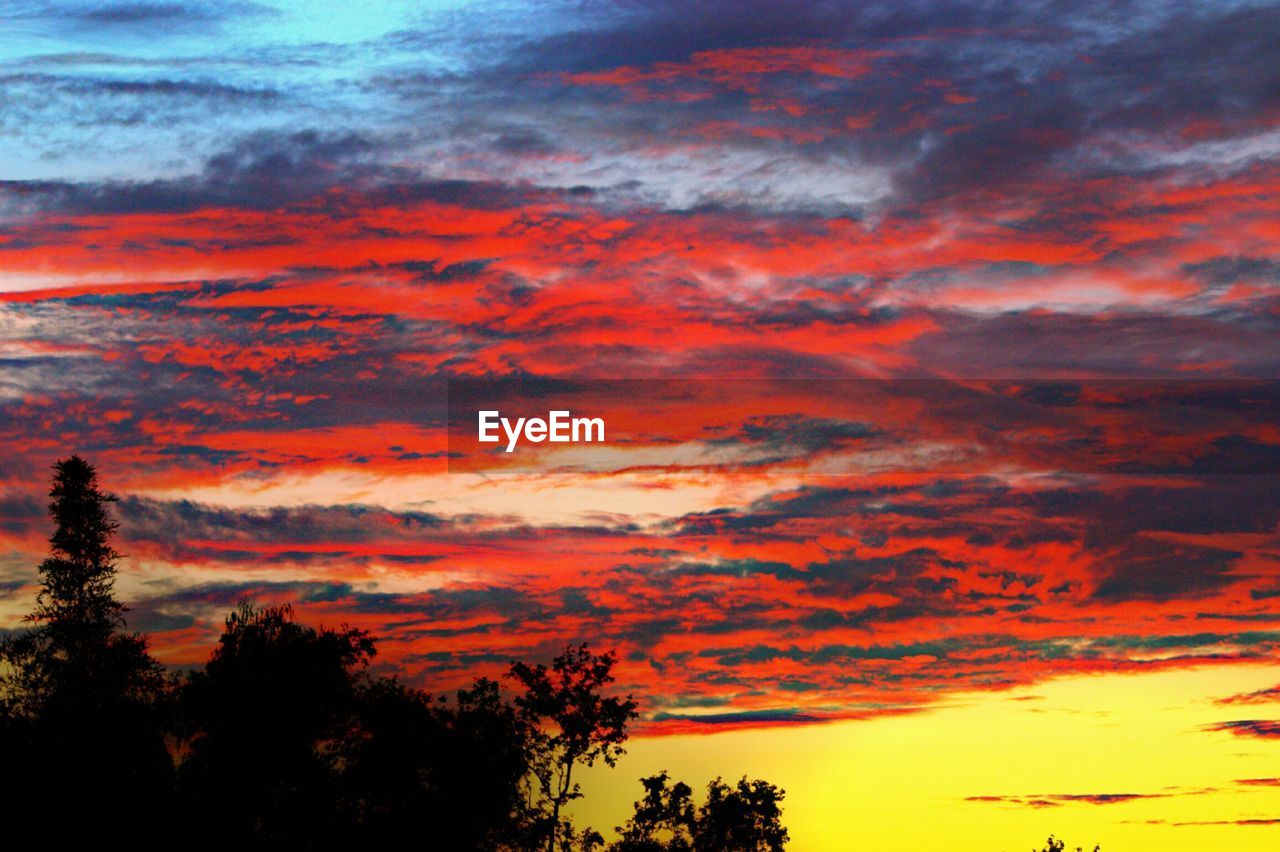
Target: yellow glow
900	783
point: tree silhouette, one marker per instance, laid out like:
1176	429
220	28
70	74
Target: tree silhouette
264	721
1055	845
286	740
289	742
743	818
746	817
665	819
425	774
571	722
81	700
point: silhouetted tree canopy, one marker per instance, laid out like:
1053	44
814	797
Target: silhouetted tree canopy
286	739
571	723
426	774
265	719
743	818
290	741
1055	845
665	819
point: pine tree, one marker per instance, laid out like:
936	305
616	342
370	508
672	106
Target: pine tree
80	700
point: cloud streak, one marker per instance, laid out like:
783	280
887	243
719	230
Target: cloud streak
242	263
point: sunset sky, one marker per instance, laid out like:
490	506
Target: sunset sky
246	246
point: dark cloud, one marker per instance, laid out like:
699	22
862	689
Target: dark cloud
1241	821
796	432
51	85
20	512
746	717
1155	570
1000	94
267	170
1056	799
152	520
1222	272
1147	344
1261	696
165	16
1257	728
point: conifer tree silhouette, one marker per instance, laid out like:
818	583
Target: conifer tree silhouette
81	700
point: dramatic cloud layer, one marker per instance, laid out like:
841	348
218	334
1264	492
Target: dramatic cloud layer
244	249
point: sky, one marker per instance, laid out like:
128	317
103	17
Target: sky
246	247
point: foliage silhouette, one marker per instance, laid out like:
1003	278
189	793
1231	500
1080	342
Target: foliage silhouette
423	773
1055	845
263	724
665	819
287	739
82	703
744	818
571	723
291	742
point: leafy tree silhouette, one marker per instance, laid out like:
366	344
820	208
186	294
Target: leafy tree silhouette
422	773
263	724
285	739
571	722
665	819
290	742
1055	845
81	701
743	818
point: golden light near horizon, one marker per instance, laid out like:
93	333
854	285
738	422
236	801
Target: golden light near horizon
909	782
